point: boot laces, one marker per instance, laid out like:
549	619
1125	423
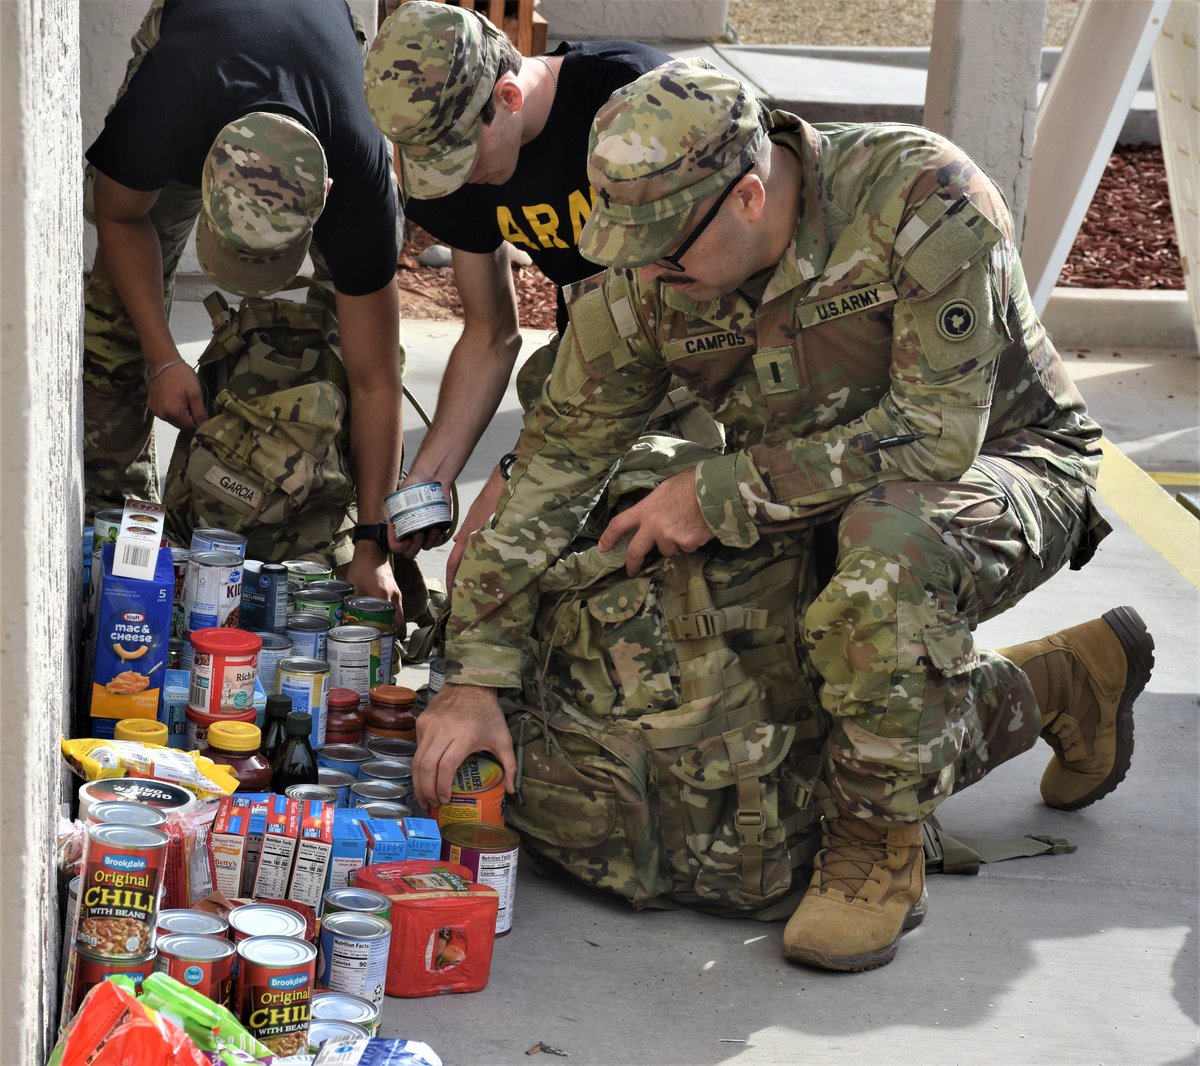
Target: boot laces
853	852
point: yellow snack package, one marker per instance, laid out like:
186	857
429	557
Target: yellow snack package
95	759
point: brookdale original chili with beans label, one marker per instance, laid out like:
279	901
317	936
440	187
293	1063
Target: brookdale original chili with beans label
119	890
275	984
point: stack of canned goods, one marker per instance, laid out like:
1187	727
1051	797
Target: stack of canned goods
377	774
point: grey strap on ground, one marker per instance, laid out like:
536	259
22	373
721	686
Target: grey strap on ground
963	855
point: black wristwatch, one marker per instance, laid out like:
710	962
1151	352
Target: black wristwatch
377	532
507	462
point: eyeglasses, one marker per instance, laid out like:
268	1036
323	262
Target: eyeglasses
672	262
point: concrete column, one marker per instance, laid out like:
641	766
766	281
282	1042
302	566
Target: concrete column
981	90
40	484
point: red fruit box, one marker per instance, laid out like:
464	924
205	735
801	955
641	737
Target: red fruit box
443	926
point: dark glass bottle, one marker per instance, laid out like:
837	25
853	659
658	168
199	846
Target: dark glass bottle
296	764
273	734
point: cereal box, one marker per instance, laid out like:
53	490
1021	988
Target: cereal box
349	847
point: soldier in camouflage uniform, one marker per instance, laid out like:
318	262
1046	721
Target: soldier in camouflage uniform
247	123
848	301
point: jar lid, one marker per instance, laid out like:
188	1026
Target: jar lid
393	695
143	730
298	723
225	641
342	699
234	736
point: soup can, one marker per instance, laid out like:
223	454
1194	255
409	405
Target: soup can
357	900
390	747
319	1032
197	923
393	771
264	596
477	794
224	666
126	812
308	634
119	891
312	792
338	781
275	647
86	969
265	919
384	808
212	596
343	1007
368	611
204	963
490	853
212	539
320	602
354	654
332	584
346	758
307	682
305	570
368	791
354	954
106	525
275	983
418	507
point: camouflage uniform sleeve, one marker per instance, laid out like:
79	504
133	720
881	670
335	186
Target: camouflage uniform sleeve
952	263
596	403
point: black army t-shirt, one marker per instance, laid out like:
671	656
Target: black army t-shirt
543	206
217	60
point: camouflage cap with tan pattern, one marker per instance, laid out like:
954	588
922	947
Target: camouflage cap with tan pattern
263	188
429	73
659	148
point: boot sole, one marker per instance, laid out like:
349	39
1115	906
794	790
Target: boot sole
1138	645
870	960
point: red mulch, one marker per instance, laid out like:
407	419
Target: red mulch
1127	241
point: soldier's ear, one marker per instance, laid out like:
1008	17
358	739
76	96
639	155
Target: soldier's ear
508	94
750	197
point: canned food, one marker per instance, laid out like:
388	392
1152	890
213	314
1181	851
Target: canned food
264	596
346	758
332	584
224	666
179	563
161	795
304	570
87	969
354	655
359	901
106	525
199	723
369	610
321	1031
123	812
321	602
175	651
384	808
418	507
490	853
204	963
265	919
198	923
275	982
437	676
275	647
337	782
312	792
212	539
368	791
213	594
477	794
118	896
68	937
343	1007
354	954
390	747
308	633
307	682
396	771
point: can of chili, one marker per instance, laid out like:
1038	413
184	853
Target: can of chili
87	969
197	923
265	919
124	812
118	895
204	963
275	984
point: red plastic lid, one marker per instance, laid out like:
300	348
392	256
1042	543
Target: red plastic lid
225	641
342	699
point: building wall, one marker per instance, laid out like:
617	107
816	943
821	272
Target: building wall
40	262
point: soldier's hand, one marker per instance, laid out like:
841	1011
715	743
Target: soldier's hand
480	511
175	396
371	574
461	720
425	538
668	518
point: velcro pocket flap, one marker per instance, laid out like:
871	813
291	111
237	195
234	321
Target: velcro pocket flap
952	648
563	816
619	602
717	762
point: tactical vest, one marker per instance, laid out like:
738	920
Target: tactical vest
668	740
271	461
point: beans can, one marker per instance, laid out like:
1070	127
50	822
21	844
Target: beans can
321	1031
224	667
118	895
369	610
354	954
390	747
321	602
337	781
308	633
204	963
384	808
213	594
275	983
86	969
264	596
354	655
490	853
477	794
212	539
346	758
418	507
161	795
124	812
358	901
343	1007
275	647
265	919
311	792
305	570
368	791
106	525
307	682
198	923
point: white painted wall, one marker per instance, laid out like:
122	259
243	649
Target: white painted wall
637	20
40	484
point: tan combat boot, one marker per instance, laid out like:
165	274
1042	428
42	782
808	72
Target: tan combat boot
868	887
1085	679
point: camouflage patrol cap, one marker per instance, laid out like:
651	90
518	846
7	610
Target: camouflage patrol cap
659	148
430	71
262	189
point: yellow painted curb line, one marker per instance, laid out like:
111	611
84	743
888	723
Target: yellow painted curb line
1151	513
1170	477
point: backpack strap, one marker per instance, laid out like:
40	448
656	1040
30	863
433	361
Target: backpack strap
964	855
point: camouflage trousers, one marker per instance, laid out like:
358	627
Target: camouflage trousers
916	710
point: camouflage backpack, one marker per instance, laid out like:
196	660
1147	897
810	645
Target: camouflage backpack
272	460
668	742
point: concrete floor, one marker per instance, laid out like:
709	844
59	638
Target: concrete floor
1089	957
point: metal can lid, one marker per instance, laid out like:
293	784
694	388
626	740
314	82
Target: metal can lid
308	594
323	1029
274	641
191	947
311	792
353	634
356	899
481	837
266	919
276	952
356	925
387	769
126	812
302	622
127	836
299	664
215	557
344	752
116	965
343	1007
369	603
390	747
334	779
385	809
376	790
303	567
332	584
198	923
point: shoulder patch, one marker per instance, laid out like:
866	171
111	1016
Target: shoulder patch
956	320
955	241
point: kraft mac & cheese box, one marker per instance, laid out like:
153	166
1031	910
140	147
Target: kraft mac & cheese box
132	623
